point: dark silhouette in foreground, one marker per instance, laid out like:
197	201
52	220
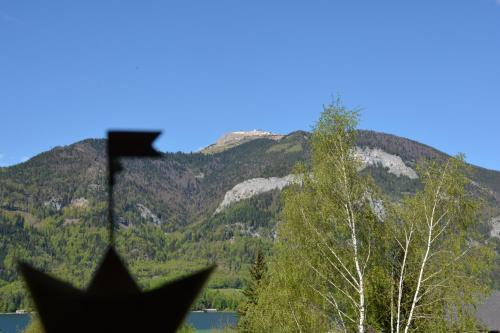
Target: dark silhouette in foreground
113	302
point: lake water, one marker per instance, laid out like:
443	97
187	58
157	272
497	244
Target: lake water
202	321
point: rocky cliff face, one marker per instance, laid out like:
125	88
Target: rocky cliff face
495	227
367	156
378	157
253	187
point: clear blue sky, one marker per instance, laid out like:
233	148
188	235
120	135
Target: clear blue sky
426	70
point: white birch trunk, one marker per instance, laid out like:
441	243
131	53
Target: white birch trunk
431	225
401	280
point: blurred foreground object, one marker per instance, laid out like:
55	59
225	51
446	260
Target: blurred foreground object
113	302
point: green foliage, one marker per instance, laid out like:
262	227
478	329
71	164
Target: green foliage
342	264
13	297
72	253
283	304
393	186
220	299
440	263
186	329
314	240
257	273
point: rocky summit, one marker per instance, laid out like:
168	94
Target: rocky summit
233	139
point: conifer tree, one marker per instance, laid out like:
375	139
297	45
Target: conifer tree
257	272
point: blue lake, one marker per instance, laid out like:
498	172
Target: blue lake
202	321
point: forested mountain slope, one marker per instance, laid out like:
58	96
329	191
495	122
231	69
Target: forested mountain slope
169	213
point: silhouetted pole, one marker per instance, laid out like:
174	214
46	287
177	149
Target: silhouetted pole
125	144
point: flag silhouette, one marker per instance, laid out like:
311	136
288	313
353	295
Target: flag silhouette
129	144
113	302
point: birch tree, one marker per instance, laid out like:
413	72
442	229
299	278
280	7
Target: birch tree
339	266
334	207
328	229
441	268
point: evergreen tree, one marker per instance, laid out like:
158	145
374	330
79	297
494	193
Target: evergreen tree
257	272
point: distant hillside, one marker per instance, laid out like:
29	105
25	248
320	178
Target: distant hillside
181	211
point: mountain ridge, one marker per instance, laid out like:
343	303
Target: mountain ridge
53	206
434	152
86	159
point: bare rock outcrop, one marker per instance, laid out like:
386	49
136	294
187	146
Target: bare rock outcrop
147	214
234	139
54	203
79	203
252	187
368	156
495	227
394	163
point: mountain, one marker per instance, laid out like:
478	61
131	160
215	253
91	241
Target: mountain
234	139
181	211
